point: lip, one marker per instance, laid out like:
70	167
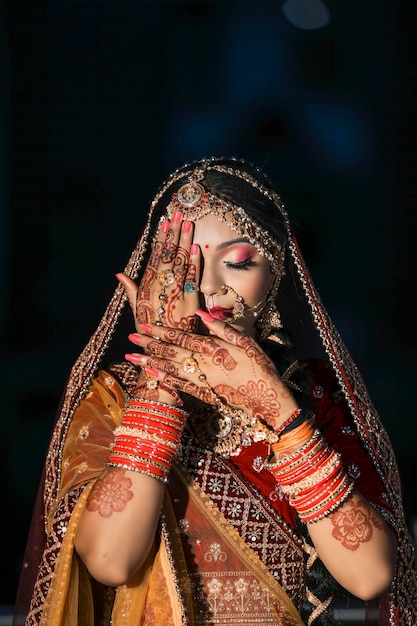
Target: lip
220	313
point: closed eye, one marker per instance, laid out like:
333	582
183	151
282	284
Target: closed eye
242	265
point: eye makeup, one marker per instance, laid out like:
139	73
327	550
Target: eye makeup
239	255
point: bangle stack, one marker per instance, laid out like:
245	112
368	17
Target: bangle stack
148	438
313	478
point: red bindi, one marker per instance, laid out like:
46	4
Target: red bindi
207	245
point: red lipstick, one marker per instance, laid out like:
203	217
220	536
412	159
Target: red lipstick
220	313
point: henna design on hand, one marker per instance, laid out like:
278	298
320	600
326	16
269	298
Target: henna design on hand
251	348
145	313
110	494
161	349
163	366
258	397
202	393
169	249
206	346
191	275
353	524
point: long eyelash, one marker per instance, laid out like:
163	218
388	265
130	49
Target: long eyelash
243	265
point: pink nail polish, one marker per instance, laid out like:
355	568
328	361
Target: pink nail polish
120	278
146	328
152	372
165	227
134	358
177	216
204	315
194	249
134	338
186	227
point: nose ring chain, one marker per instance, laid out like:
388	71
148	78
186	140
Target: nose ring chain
239	306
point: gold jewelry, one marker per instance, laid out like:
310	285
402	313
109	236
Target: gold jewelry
269	318
151	383
189	364
235	428
165	279
239	305
195	202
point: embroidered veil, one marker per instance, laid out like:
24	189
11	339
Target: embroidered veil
306	318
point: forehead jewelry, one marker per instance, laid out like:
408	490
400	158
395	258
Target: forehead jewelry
195	202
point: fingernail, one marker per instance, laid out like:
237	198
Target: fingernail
134	358
119	278
194	248
204	315
134	338
151	372
146	328
186	227
177	216
165	227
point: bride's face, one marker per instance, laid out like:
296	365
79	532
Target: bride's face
229	259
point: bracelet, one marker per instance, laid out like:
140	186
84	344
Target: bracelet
312	477
148	438
280	430
154	405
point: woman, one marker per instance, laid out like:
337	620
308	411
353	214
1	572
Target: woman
218	475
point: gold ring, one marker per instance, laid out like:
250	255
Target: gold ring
166	278
189	364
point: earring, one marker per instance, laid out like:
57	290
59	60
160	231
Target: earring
269	318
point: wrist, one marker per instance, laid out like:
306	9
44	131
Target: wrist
152	389
148	437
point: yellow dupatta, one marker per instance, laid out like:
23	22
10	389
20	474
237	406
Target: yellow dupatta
160	594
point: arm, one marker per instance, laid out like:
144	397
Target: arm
352	539
117	528
357	547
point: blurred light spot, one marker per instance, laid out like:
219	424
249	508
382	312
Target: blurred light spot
306	14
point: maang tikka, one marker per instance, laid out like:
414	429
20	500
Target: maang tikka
195	202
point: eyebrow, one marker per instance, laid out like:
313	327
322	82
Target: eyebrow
226	244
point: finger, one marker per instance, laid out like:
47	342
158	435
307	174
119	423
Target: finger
131	288
170	244
175	336
182	257
190	387
156	347
192	277
156	363
219	328
159	243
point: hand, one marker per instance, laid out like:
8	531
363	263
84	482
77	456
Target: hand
172	253
234	366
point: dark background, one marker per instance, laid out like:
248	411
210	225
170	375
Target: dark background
101	100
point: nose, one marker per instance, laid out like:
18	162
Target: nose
211	283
